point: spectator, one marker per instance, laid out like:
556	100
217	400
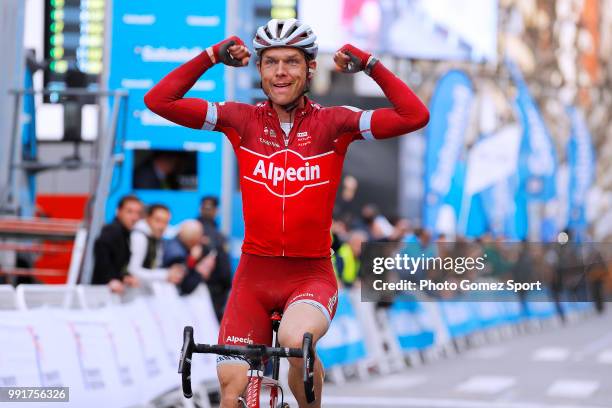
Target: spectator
157	173
596	270
522	271
339	232
112	247
220	280
378	227
401	229
186	249
418	244
209	206
346	209
146	247
347	260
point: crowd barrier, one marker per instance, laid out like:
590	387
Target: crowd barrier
383	338
110	354
119	353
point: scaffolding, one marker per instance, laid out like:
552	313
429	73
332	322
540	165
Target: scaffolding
19	233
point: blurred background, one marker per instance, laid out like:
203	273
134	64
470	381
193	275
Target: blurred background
101	200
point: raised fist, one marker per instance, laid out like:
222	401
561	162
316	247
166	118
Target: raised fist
230	51
350	59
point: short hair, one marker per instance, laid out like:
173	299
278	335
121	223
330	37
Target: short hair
212	198
154	207
126	199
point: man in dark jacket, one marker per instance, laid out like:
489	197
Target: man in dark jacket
220	280
112	247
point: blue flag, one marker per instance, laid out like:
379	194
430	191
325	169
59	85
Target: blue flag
537	158
581	161
450	111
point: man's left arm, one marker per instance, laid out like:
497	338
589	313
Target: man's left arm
408	112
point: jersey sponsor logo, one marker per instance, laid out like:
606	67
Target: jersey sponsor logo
269	132
304	139
269	142
332	302
236	339
286	173
278	174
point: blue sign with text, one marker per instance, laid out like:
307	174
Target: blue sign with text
149	39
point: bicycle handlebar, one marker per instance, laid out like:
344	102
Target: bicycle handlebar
185	361
252	351
309	358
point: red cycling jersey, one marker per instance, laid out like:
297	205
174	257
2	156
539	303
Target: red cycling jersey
288	185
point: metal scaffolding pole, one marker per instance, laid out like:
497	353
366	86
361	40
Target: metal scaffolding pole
12	14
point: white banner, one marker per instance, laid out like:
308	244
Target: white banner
493	159
160	375
119	356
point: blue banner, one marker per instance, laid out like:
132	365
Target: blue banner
537	157
344	342
450	110
459	318
411	324
581	162
149	39
476	223
500	208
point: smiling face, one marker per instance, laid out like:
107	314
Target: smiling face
158	221
284	72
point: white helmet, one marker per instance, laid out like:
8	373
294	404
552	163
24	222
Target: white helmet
286	33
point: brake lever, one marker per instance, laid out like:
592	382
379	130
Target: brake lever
185	361
309	360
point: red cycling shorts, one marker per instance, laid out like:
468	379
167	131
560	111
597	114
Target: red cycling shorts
265	284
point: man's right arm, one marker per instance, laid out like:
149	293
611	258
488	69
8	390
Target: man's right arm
167	97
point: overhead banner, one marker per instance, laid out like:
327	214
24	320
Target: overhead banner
447	29
148	40
450	109
537	158
581	161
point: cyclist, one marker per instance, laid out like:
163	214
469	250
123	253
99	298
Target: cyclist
290	152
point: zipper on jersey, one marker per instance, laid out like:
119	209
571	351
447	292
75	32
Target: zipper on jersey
285	190
297	120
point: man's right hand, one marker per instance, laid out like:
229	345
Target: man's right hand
206	265
230	51
116	286
176	273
